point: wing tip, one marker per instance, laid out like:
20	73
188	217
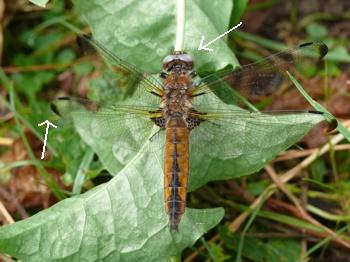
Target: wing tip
306	44
323	50
322	47
63	98
54	109
315	112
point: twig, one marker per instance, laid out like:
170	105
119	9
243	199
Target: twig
322	231
4	258
6	141
5	194
273	175
303	204
34	68
44	67
292	198
6	214
291	154
284	179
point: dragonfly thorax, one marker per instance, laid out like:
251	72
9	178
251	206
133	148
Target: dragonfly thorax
176	100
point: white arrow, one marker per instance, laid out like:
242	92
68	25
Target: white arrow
205	47
48	123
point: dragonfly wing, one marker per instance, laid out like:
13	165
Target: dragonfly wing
120	123
264	76
124	126
127	122
248	133
239	143
129	80
231	141
231	132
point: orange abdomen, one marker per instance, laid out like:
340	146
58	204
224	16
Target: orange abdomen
176	166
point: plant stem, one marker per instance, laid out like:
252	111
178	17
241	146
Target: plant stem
180	25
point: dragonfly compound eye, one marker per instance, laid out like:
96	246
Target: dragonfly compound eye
178	58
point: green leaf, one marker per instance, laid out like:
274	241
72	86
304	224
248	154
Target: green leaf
122	220
143	32
256	188
82	68
318	170
218	253
268	250
339	54
32	82
316	31
70	148
41	3
81	174
239	7
65	56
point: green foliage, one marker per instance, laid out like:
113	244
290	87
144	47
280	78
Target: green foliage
318	170
218	254
124	219
270	250
256	188
239	7
316	31
31	83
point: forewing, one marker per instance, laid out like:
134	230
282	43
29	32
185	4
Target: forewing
127	122
126	127
129	80
120	123
266	75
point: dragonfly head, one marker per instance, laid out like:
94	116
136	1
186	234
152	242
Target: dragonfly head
178	61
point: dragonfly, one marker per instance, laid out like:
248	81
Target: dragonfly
175	111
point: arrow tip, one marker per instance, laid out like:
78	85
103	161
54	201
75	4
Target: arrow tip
48	123
203	47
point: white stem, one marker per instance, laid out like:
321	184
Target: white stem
180	25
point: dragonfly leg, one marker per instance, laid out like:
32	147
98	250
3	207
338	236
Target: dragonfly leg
163	75
154	134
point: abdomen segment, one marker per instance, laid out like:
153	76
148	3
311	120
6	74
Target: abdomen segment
176	166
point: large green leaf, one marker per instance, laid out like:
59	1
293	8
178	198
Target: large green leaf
123	220
143	32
